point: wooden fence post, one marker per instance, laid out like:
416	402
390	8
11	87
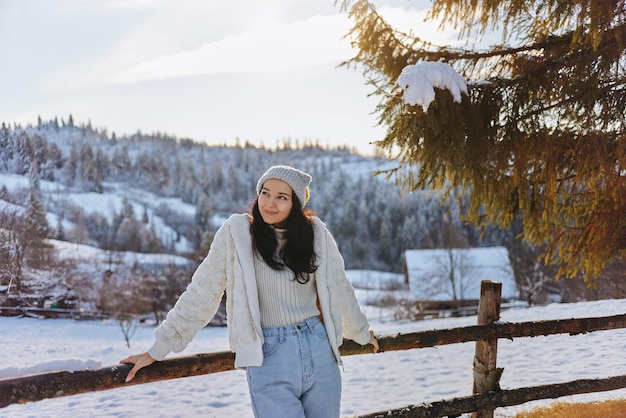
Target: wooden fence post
486	374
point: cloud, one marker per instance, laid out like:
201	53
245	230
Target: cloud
266	47
272	43
184	39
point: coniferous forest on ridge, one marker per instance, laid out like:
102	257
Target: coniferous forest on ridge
172	195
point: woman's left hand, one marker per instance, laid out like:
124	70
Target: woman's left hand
140	361
374	342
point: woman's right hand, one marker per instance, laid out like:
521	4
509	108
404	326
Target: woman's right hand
140	361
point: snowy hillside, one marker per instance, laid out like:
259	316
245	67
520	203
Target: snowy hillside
77	187
154	193
108	203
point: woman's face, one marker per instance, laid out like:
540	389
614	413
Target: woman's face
275	202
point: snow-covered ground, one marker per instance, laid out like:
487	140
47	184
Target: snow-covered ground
373	382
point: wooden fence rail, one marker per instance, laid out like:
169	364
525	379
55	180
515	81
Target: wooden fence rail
58	384
457	406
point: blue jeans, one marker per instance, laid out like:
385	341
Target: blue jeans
299	377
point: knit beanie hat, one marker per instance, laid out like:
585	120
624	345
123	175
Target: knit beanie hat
298	180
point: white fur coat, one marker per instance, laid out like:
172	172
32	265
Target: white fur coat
229	266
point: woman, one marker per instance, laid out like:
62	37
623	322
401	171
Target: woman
289	303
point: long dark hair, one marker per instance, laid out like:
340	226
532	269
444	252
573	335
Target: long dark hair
298	254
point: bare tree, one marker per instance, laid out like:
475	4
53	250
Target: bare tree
128	325
454	274
117	301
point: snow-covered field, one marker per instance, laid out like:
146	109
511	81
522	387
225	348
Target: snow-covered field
373	382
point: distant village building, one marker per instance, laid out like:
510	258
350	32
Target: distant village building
452	277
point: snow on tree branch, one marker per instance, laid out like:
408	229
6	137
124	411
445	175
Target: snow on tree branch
419	81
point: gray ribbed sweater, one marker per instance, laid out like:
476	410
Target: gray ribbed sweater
282	300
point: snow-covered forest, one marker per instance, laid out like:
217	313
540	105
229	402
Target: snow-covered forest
365	212
62	182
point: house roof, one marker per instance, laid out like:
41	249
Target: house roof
429	272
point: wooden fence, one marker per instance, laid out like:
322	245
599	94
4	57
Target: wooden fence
486	395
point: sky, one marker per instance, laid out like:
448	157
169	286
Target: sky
371	382
212	71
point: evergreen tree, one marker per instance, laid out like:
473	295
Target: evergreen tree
34	178
88	177
37	223
4	193
103	163
21	156
13	248
411	232
60	230
541	133
6	151
202	222
55	156
384	243
121	163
